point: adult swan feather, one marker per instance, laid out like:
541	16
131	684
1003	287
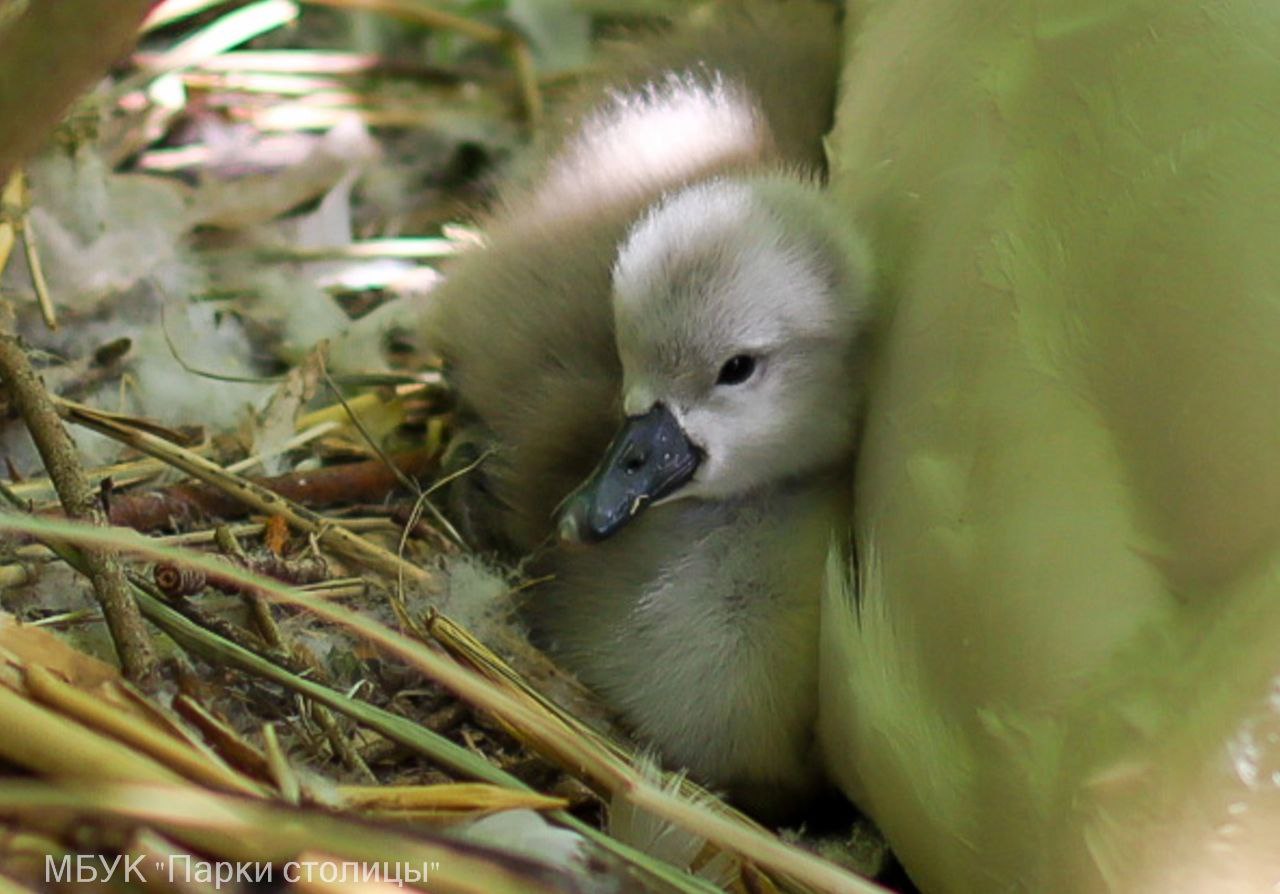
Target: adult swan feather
1060	672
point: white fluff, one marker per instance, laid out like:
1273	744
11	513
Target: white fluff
675	127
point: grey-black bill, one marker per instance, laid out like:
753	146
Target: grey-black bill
650	458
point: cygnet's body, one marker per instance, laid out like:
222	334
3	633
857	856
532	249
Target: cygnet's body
671	233
698	623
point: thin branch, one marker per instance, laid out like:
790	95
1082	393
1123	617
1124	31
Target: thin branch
366	481
38	283
340	540
58	452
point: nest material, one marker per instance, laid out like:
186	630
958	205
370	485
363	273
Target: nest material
297	699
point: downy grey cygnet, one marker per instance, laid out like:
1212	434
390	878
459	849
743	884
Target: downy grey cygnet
741	309
672	262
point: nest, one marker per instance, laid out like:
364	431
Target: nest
240	642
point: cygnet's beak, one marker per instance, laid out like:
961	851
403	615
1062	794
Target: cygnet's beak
648	459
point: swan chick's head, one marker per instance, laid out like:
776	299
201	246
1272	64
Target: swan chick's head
739	309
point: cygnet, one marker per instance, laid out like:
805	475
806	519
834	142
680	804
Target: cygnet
671	262
741	308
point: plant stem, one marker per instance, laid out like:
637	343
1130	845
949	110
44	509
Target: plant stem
58	451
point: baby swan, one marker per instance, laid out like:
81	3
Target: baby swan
740	308
525	324
697	621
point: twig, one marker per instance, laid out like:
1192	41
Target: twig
339	742
340	540
259	608
405	481
78	500
232	633
13	221
278	765
527	77
254	529
370	480
165	14
124	474
32	253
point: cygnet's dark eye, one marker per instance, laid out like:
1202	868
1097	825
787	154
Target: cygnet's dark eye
736	370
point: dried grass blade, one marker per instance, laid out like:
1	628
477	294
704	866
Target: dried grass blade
261	832
752	844
86	709
344	542
459	797
11	204
50	744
